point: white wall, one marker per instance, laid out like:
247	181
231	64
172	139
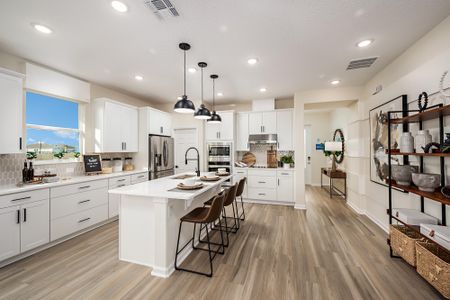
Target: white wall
320	129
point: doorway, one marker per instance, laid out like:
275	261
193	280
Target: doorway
185	138
307	151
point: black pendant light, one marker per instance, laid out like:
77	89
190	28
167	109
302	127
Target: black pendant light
184	105
215	118
202	112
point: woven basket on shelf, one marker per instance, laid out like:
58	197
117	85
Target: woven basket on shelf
403	242
433	264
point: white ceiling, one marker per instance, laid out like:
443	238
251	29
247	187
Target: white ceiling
300	44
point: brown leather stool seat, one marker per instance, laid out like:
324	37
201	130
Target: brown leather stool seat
203	216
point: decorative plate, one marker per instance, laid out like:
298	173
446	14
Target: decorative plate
215	178
181	186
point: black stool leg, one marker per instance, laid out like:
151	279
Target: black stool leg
209	252
243	210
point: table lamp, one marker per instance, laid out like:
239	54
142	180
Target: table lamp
333	147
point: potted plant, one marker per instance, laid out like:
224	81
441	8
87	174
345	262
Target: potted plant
287	160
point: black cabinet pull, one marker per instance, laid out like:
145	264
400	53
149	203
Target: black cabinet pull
20	143
121	185
84	201
24	215
84	220
84	187
19	199
142	176
120	180
18	216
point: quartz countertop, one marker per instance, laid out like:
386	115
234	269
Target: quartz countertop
12	189
163	188
273	169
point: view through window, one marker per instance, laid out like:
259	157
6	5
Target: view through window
52	127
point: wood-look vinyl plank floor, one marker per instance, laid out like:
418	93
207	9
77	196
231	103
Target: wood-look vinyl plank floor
326	252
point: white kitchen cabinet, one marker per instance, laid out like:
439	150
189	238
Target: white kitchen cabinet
242	123
223	131
285	188
156	121
114	199
284	130
11	111
24	222
116	126
263	122
9	232
34	230
238	175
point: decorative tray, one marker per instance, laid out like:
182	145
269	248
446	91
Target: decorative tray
181	186
204	178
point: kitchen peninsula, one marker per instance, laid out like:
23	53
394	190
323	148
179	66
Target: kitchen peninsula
149	218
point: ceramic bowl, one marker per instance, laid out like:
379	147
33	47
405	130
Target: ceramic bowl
426	182
402	174
189	182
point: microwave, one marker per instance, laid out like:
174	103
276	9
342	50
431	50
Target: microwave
219	151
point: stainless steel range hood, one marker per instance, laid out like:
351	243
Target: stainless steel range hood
262	139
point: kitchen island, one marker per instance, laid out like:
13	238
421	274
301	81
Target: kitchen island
149	215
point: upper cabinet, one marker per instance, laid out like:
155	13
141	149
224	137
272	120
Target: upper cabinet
156	121
223	131
284	130
242	124
262	122
11	112
116	126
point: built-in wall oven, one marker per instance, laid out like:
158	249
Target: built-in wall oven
220	156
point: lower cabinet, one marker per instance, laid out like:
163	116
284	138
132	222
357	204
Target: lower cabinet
72	223
114	200
268	185
23	223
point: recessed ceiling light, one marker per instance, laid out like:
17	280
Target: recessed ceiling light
192	70
220	94
138	77
119	6
252	61
42	28
335	82
364	43
262	90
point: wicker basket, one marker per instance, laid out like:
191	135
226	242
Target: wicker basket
403	242
433	264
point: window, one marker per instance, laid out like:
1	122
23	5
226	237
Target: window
52	127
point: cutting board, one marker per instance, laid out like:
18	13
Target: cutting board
249	159
272	161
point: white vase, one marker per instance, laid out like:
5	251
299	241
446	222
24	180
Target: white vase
422	138
286	166
406	143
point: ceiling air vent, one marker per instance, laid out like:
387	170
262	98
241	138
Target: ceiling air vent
361	63
162	8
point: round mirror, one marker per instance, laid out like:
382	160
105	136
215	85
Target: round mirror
338	136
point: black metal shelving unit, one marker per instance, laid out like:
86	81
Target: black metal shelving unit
438	111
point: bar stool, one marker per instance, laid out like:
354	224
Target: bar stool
230	195
203	216
240	191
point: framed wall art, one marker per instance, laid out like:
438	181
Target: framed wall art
378	119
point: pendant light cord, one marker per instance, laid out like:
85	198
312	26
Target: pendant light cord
202	84
214	94
184	72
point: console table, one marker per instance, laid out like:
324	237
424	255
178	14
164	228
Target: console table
331	188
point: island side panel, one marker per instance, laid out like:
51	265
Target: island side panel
136	230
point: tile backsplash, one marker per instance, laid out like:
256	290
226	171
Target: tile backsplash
11	166
260	152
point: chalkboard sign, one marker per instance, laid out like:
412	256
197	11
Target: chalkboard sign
92	163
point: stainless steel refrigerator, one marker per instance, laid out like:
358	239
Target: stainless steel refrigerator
161	156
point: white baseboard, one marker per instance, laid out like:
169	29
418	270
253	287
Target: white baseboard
355	208
377	222
300	206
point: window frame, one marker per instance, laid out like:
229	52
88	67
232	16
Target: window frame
80	130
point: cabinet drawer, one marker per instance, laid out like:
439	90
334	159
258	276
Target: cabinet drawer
241	172
262	194
77	188
259	172
262	182
69	224
67	205
285	174
119	181
137	178
23	197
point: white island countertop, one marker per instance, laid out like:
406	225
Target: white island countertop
166	187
